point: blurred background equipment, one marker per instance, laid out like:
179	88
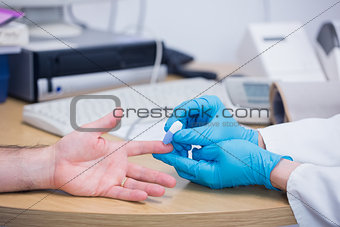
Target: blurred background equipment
66	58
305	73
52	15
279	56
328	49
4	76
7	16
52	69
301	100
211	32
12	36
176	62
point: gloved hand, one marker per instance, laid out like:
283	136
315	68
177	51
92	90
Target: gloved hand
205	121
226	164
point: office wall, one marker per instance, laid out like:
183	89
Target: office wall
209	30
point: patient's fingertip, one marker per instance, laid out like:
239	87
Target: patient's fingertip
172	182
165	147
169	146
117	113
157	191
141	195
162	191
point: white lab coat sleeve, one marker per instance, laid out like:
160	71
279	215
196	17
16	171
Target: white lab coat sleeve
312	140
313	194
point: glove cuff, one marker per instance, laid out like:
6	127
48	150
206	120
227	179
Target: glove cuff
274	160
251	135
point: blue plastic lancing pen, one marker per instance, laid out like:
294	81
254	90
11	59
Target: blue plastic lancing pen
175	127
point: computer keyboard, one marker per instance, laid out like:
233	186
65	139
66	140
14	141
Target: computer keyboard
54	116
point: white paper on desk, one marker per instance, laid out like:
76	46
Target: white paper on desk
142	131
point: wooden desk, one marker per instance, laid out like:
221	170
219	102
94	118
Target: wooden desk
187	204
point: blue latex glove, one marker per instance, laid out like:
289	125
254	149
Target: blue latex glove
205	121
226	164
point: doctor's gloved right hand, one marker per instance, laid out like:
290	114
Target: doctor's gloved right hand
226	164
205	121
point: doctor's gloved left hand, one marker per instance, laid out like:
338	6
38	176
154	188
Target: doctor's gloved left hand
226	164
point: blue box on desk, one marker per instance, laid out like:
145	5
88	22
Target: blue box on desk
4	77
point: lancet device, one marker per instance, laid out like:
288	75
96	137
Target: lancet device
175	127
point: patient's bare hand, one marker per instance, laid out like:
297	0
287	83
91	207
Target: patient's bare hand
88	165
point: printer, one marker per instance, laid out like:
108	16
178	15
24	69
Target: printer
50	68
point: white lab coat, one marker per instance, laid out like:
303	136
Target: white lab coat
313	188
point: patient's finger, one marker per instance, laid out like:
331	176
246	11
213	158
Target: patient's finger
147	147
151	189
148	175
107	122
118	192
